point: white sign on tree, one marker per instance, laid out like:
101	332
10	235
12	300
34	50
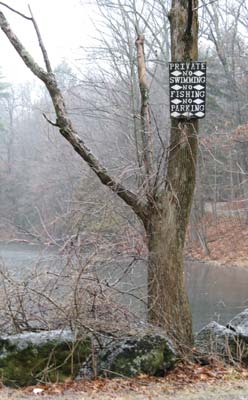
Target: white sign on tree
187	89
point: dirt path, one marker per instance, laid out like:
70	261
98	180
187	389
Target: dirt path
227	390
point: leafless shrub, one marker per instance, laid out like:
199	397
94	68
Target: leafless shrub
74	291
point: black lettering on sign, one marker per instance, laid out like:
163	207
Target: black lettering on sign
187	89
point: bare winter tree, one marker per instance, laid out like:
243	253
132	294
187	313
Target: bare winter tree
163	209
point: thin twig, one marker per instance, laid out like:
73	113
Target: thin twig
41	44
49	121
204	5
15	11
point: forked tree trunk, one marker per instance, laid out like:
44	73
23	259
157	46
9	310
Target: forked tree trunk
169	215
165	216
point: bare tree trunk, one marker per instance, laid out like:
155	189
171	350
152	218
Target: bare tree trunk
166	229
169	216
167	221
168	302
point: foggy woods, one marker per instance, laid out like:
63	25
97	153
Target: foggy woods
115	114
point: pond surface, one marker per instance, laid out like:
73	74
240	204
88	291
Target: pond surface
215	292
22	258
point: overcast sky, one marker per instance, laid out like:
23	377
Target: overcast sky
64	25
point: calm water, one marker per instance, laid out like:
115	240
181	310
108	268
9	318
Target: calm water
215	292
22	258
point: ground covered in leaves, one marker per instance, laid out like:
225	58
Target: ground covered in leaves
226	238
186	382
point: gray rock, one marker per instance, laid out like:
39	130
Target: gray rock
239	324
148	353
24	340
230	342
215	339
28	358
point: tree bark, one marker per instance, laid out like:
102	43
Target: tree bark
169	215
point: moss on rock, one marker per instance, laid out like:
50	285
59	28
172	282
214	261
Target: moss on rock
53	356
149	354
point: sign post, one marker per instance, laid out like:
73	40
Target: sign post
187	89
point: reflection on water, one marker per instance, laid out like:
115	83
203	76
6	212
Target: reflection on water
215	292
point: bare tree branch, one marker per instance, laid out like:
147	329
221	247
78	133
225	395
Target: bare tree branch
146	129
204	5
15	11
49	121
65	125
23	53
41	44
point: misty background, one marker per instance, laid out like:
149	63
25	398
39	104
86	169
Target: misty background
47	194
